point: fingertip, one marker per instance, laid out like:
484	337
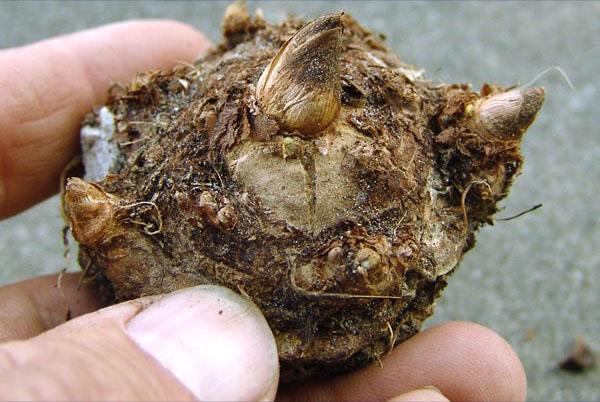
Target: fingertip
215	342
465	361
184	39
139	45
210	341
493	368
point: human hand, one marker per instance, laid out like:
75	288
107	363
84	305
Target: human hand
198	343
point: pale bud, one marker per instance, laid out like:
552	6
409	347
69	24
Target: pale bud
301	86
507	115
90	212
367	258
227	217
236	22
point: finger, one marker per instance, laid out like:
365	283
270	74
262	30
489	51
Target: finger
464	360
31	307
428	394
204	342
49	86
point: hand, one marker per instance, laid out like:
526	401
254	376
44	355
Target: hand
199	343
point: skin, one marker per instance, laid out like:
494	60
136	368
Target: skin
47	89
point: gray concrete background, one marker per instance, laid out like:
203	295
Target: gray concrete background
534	280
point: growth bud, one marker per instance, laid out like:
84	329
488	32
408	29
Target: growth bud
507	115
90	212
301	86
236	22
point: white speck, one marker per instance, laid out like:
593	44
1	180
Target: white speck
239	161
99	150
376	60
185	84
411	74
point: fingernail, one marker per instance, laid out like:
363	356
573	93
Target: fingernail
215	342
428	393
432	388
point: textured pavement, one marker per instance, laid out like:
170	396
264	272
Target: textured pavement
534	279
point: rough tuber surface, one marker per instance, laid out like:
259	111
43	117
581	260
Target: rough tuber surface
305	167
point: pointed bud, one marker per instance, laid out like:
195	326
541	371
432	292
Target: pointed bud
236	22
301	87
259	19
507	115
90	212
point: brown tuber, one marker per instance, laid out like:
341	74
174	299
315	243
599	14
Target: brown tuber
306	167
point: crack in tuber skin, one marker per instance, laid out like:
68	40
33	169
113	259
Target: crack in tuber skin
338	202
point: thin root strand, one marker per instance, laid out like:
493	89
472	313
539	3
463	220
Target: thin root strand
546	71
147	226
536	206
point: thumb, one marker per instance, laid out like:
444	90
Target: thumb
203	343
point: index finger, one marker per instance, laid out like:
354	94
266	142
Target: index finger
49	86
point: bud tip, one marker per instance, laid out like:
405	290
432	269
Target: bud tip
301	86
507	115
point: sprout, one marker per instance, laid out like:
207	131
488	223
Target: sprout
301	86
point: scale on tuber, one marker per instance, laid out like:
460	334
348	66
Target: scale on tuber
304	166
